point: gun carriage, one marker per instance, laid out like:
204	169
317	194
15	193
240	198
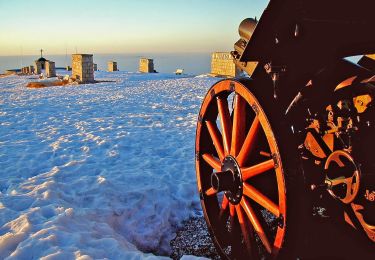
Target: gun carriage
296	136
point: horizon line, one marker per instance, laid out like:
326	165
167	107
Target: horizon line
126	53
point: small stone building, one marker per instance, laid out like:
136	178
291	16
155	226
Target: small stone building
31	69
27	70
50	69
83	68
146	65
222	65
40	64
112	66
38	67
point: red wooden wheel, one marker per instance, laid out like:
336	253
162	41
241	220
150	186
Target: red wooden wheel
240	175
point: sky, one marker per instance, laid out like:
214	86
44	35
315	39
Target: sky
122	26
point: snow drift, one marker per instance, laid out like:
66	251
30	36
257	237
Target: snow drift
97	171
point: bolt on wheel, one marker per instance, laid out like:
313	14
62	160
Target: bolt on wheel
240	176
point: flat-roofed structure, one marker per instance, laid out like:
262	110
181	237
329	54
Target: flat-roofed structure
222	65
50	69
146	65
112	66
31	69
38	67
83	68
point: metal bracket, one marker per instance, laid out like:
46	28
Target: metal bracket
231	86
275	71
280	221
255	108
201	195
200	119
212	93
275	159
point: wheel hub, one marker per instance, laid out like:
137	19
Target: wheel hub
343	180
228	180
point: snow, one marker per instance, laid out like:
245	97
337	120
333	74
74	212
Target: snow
97	171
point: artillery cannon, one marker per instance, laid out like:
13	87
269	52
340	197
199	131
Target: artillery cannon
293	139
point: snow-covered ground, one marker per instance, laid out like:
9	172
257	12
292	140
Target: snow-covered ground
97	171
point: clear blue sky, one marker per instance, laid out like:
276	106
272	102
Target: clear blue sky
122	26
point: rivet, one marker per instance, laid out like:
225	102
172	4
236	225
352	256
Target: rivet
212	93
255	108
201	196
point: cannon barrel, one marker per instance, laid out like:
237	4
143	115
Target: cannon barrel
245	31
247	28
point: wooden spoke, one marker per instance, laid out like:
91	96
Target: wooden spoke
249	141
211	191
224	203
232	214
215	164
263	153
259	198
256	224
246	230
238	129
232	210
257	169
216	139
225	123
224	206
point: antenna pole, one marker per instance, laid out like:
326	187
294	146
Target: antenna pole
21	57
66	55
